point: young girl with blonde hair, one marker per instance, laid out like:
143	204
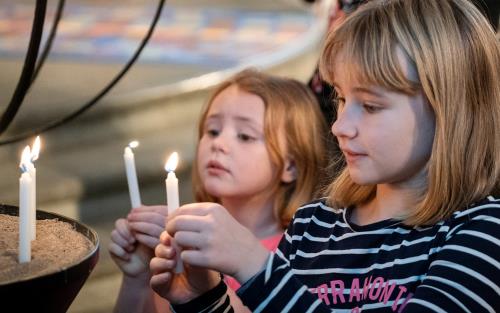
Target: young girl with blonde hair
411	224
260	153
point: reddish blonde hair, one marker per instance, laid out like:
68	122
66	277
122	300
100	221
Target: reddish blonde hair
289	106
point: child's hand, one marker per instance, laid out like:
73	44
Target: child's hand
212	238
133	240
147	223
178	288
131	258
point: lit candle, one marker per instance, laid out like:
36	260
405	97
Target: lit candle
25	194
133	185
172	186
35	151
172	183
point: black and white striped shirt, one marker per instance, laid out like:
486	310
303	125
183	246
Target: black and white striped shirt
326	264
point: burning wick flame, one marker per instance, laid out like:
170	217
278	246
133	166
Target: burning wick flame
172	161
36	149
133	144
25	159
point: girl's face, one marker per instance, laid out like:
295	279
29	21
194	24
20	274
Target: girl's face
233	159
386	136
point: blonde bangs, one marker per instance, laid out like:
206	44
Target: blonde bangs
367	43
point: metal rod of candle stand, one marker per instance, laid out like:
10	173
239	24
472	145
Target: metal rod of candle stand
101	94
49	41
29	65
30	55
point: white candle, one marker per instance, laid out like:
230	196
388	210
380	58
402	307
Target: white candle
32	212
133	185
25	194
32	171
172	183
172	186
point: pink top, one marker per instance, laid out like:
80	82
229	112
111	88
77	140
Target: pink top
271	243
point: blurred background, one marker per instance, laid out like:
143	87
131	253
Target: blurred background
196	44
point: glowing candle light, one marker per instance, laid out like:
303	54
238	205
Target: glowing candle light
25	194
133	185
172	183
35	151
172	186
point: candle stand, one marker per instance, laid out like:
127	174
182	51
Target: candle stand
53	292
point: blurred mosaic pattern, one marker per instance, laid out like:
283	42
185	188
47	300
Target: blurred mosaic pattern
217	37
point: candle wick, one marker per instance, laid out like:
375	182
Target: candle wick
23	167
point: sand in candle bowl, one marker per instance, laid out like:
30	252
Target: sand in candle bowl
56	247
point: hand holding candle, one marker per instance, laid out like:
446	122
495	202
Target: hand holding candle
25	194
172	186
133	185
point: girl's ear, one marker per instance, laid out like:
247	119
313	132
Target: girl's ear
289	171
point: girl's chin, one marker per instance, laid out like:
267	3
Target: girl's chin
363	180
214	191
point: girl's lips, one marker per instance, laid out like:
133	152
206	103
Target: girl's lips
352	156
216	167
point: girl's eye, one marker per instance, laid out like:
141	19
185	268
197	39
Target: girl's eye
212	132
339	102
245	137
371	108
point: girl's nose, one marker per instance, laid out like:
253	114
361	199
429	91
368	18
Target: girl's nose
344	125
219	144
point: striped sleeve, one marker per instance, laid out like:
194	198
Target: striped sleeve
276	289
465	274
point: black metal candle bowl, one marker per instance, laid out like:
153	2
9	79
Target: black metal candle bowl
53	292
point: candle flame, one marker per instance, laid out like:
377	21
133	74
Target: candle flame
25	159
35	151
172	161
133	144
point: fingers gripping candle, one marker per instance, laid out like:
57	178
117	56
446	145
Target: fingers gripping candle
172	186
133	185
